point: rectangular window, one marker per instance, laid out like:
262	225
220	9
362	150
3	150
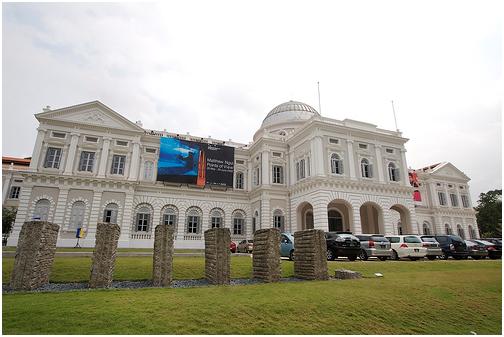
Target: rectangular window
277	174
150	150
256	176
238	226
216	222
240	161
442	198
53	157
121	143
333	141
302	172
277	154
363	146
59	135
192	224
86	161
91	139
14	192
389	150
454	200
465	201
143	222
118	164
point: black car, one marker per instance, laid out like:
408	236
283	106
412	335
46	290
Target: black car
494	252
342	244
452	245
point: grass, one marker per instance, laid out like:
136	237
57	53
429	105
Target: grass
438	297
125	250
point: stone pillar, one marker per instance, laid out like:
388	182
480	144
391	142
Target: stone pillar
320	218
71	154
104	157
265	168
379	164
404	169
357	222
266	255
218	255
310	255
37	149
104	255
351	160
135	161
34	255
163	255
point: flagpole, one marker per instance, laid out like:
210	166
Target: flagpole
395	120
319	107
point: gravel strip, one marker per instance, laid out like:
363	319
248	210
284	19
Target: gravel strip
80	286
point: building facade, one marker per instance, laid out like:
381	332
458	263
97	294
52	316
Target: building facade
302	170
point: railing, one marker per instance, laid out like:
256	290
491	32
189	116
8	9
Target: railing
192	236
140	236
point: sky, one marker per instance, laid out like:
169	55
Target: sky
216	68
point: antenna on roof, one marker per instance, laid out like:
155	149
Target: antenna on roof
395	120
319	107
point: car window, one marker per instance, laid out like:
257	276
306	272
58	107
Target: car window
412	239
379	239
363	237
441	239
393	239
428	240
456	238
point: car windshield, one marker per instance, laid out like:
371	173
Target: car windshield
412	239
349	236
457	238
363	237
429	240
393	239
379	239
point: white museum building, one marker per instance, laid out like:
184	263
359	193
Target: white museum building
302	170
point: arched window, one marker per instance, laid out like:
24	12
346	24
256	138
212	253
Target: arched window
41	211
335	220
238	223
448	229
399	228
148	170
472	232
77	215
239	180
393	172
193	220
143	218
460	231
170	216
426	228
279	220
336	164
216	218
367	168
110	213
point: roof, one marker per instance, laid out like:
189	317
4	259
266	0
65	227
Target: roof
288	112
16	161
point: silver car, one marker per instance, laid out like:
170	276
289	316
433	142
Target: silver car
433	248
374	245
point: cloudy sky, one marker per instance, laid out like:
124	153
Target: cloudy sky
218	67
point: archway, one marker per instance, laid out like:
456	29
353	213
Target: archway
405	218
371	218
339	216
305	216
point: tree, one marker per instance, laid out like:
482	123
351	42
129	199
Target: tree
489	214
8	217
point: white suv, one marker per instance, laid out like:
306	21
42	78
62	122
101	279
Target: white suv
406	246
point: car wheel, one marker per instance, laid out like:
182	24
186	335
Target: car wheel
363	255
330	255
291	255
431	257
445	256
382	258
394	255
352	258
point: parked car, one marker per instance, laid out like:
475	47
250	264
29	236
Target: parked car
476	251
342	244
374	245
232	247
452	245
494	252
245	246
433	248
497	254
287	245
407	246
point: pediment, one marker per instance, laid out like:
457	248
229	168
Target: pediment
449	170
91	114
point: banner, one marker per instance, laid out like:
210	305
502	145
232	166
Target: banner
187	162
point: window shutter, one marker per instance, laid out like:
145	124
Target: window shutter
396	174
370	170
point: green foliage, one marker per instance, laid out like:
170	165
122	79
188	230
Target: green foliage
489	214
428	297
8	218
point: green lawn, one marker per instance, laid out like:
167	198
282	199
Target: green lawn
430	297
127	250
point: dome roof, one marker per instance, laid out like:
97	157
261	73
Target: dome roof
291	111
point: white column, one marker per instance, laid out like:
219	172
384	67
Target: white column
356	227
94	217
6	186
433	193
181	223
104	157
60	208
135	161
448	199
156	220
404	171
37	149
265	168
438	225
71	154
266	219
317	157
21	215
248	177
459	200
292	169
379	163
320	220
351	160
127	219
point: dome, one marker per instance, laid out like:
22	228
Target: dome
288	112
